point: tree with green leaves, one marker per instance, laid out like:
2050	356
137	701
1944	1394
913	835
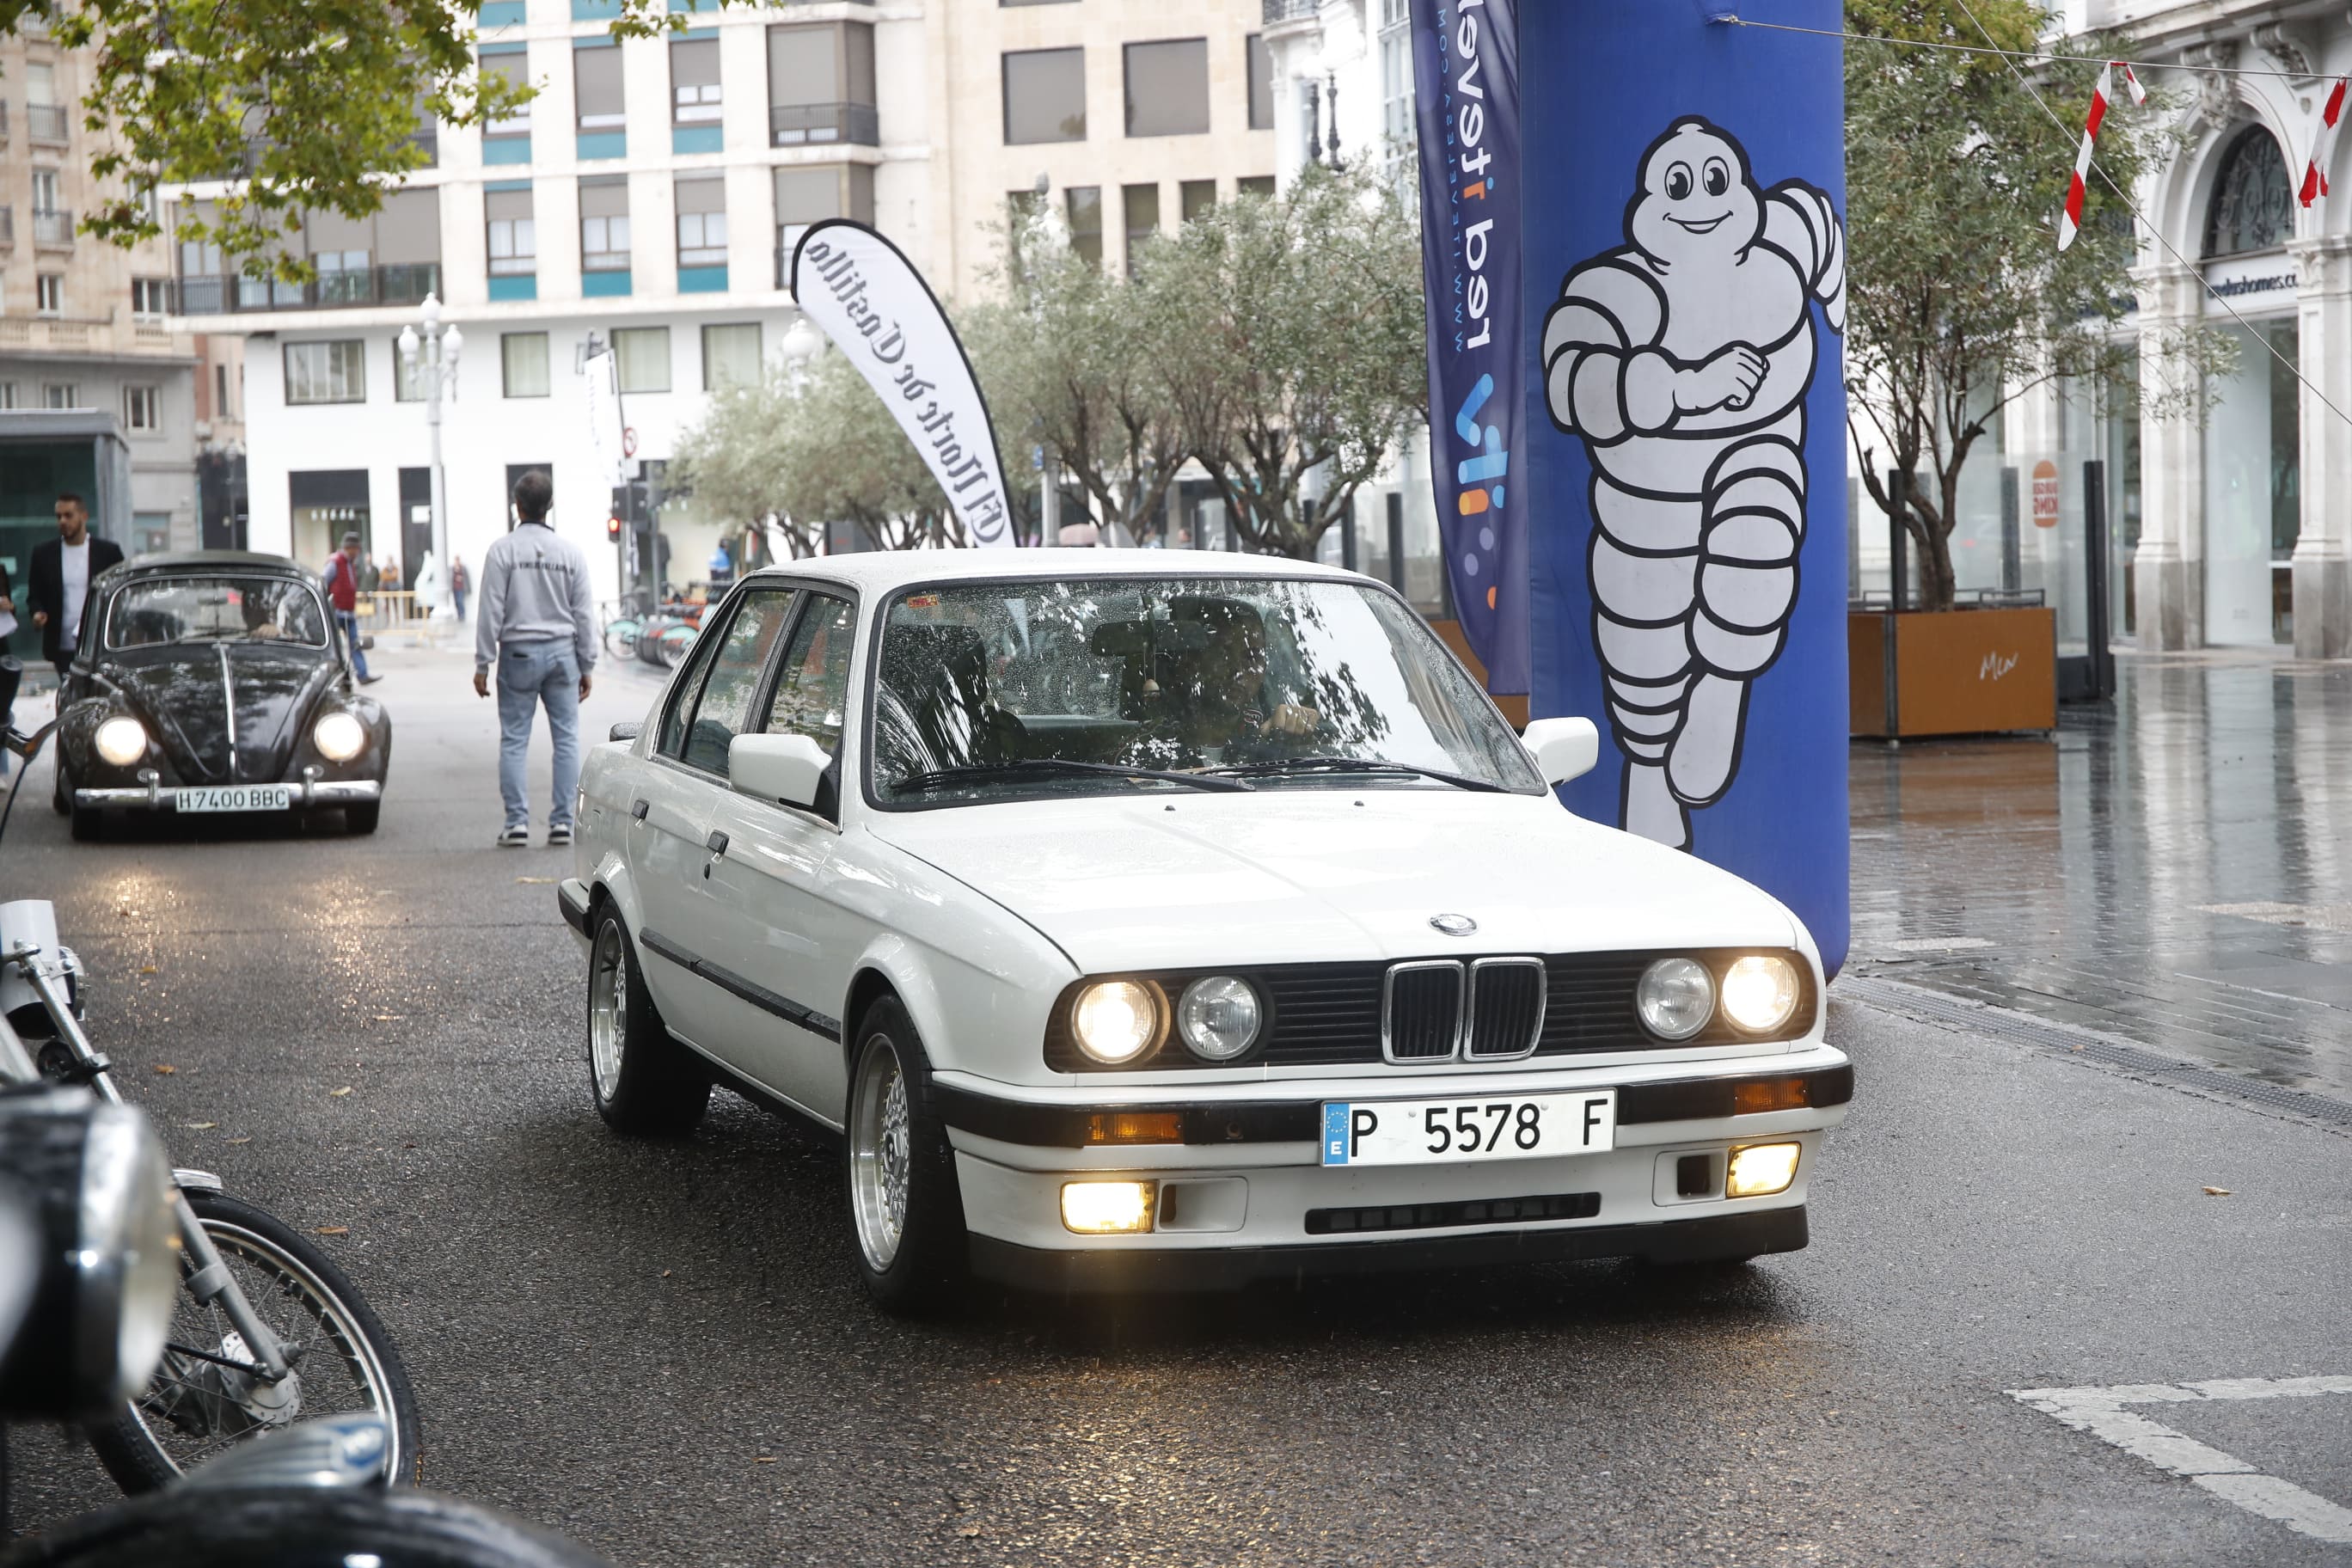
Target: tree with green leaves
295	106
1294	355
1959	299
838	454
733	464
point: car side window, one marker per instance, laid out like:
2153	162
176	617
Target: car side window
724	708
813	689
676	722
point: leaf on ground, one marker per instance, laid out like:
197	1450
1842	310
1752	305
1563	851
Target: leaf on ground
240	1139
763	1458
200	1126
166	1068
388	1017
339	1093
2217	1192
332	1230
539	881
150	969
969	1530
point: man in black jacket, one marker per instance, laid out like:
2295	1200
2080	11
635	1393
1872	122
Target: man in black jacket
57	584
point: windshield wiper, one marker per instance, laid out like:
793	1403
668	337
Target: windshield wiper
972	772
1278	765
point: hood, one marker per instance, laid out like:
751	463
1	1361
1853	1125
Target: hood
185	695
1309	876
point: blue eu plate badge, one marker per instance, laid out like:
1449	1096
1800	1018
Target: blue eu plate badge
1334	1134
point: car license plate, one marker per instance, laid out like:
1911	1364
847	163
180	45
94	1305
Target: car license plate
1448	1131
237	797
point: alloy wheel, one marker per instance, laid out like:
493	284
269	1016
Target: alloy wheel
880	1149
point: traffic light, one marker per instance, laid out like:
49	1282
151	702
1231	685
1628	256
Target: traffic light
613	529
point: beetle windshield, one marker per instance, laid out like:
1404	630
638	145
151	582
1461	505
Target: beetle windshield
982	690
215	608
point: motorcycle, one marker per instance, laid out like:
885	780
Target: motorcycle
265	1327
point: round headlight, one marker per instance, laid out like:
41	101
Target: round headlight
129	1257
338	737
120	740
1116	1020
1218	1016
1675	998
1759	992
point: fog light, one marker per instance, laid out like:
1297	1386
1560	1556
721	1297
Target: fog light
1759	992
1760	1170
120	740
1116	1020
1108	1208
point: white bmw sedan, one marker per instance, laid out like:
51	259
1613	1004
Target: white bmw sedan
1146	918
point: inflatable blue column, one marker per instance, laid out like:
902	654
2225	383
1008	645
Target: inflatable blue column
1685	288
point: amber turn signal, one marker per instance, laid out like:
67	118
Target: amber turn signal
1756	1095
1136	1127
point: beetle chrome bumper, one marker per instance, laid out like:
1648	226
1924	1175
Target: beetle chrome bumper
309	795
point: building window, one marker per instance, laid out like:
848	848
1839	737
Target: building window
45	191
150	298
821	85
1168	88
1255	185
2252	205
730	356
221	409
512	67
1084	203
514	241
642	357
7	395
1260	71
1396	86
604	225
596	85
327	373
522	360
807	195
1044	96
49	293
694	81
142	407
702	222
1195	197
60	394
1143	202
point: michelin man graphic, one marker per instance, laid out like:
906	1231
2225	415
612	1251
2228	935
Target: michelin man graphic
1683	361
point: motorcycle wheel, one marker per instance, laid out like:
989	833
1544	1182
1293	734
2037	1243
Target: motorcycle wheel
342	1353
196	1527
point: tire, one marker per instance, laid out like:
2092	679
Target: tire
60	790
906	1210
362	819
644	1084
348	1362
198	1527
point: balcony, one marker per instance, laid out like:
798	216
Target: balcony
807	124
1278	11
49	122
398	283
53	230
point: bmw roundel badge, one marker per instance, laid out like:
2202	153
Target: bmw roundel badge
1454	925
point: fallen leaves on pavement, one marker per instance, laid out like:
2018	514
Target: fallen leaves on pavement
166	1068
332	1230
339	1093
2217	1192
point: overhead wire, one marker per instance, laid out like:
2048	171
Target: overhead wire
2011	57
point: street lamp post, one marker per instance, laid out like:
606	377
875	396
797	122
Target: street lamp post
438	347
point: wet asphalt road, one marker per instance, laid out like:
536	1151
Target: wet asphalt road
663	1352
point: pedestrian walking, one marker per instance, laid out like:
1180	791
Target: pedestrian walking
61	572
343	579
371	575
459	583
538	629
388	578
11	672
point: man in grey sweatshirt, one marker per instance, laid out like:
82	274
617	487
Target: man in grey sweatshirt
536	622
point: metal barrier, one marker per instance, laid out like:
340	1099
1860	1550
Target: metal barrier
392	610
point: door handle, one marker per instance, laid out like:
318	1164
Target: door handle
716	843
639	809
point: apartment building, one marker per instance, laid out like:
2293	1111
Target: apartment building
98	391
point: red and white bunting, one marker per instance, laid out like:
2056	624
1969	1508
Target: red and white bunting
2070	220
2314	173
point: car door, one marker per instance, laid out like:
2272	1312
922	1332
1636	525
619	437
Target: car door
787	944
669	839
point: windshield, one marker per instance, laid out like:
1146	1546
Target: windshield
157	610
985	688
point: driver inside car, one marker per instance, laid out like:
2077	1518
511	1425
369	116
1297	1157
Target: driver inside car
1219	705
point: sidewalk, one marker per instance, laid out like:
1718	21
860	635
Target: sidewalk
2176	868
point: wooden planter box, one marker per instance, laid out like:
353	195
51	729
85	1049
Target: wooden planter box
1952	673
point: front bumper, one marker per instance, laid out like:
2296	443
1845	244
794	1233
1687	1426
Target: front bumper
1245	1196
309	794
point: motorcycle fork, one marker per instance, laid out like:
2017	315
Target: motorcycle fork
208	1279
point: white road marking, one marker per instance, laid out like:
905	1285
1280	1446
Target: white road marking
2317	917
2103	1413
1937	944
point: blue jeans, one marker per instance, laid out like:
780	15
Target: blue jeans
528	674
349	621
457	597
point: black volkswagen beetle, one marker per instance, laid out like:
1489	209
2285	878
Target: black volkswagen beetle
215	681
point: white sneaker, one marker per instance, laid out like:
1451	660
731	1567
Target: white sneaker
559	836
517	837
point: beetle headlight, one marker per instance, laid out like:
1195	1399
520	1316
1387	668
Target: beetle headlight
120	740
1116	1020
1675	998
1219	1015
1759	992
338	737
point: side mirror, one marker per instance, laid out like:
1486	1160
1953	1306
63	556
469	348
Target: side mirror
778	767
626	730
1563	749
